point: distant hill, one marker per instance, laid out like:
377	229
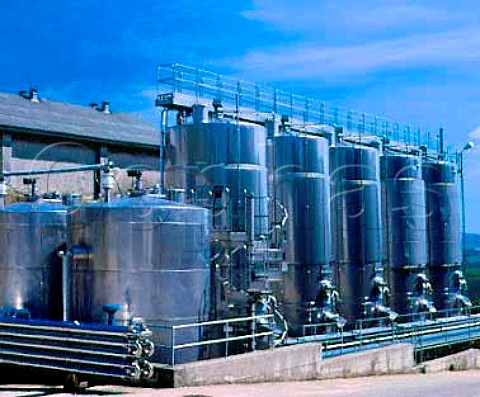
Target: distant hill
472	250
472	271
472	241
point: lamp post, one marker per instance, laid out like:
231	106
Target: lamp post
466	147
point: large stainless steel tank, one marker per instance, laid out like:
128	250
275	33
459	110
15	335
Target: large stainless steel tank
405	232
357	230
147	255
444	231
225	154
31	234
303	189
222	166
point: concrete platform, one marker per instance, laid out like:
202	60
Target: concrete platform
291	363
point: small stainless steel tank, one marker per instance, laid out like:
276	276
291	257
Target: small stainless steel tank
147	255
357	231
31	234
303	189
444	233
405	232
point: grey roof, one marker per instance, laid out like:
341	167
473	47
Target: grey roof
66	119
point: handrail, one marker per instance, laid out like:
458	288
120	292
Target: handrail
206	85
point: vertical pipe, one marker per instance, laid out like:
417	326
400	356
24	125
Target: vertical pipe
440	142
227	336
237	154
228	209
107	182
34	190
3	192
163	128
253	325
65	284
250	218
173	346
462	198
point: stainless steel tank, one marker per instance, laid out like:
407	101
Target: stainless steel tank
222	166
405	232
31	234
303	189
148	255
444	233
357	231
142	256
226	161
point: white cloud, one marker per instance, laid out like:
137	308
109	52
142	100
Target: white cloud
475	134
369	16
312	60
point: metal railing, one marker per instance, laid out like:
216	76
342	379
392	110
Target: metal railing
186	83
182	343
423	330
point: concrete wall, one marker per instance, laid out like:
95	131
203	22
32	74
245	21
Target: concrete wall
469	359
393	359
79	182
290	363
294	363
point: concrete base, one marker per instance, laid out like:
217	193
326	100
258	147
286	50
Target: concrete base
294	363
393	359
469	359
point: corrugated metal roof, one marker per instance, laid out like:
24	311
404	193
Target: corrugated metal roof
79	121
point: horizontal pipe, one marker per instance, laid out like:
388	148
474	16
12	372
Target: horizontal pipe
56	347
121	332
64	359
66	349
65	369
63	339
92	167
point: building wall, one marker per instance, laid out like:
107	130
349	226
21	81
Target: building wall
28	152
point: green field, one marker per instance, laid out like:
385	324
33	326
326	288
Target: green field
472	272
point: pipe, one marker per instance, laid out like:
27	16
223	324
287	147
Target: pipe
76	348
462	203
440	141
92	167
3	192
253	325
228	209
107	182
139	183
33	196
163	129
65	284
250	218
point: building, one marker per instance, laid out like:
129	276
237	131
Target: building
41	134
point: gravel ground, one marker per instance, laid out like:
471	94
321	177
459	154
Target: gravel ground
449	384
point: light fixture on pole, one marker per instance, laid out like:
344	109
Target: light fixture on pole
466	148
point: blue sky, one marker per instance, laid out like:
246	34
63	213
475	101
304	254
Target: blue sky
411	61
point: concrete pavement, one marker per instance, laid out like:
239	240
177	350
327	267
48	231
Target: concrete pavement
446	384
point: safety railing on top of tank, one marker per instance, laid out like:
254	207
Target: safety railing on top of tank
178	344
206	86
